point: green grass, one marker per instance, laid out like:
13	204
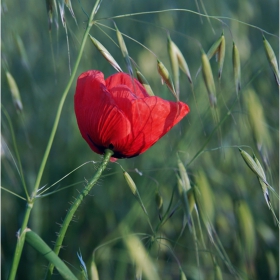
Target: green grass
231	229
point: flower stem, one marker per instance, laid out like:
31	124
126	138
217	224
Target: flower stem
76	204
21	236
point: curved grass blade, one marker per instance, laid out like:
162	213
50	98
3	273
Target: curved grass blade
39	245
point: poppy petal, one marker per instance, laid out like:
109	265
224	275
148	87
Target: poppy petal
126	80
99	120
151	117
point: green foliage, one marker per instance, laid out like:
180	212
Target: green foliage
39	49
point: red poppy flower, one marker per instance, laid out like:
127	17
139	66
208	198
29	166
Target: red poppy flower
118	114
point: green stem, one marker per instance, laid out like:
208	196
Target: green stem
20	241
76	204
21	237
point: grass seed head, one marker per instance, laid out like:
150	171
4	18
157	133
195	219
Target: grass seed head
252	164
182	62
214	48
246	229
163	72
144	82
94	271
221	55
209	80
159	200
140	257
236	67
186	185
105	53
130	183
271	59
14	91
263	185
206	194
174	63
256	118
124	51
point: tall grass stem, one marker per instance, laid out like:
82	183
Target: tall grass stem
21	236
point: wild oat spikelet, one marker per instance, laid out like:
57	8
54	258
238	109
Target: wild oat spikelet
105	53
271	59
252	165
263	185
214	48
246	229
144	82
182	62
221	55
209	80
174	64
130	183
14	91
124	51
163	72
236	67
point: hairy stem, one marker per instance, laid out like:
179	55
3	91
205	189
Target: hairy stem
21	236
76	204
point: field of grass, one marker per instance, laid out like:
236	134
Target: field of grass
207	199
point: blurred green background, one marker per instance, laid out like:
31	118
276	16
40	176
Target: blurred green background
39	60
